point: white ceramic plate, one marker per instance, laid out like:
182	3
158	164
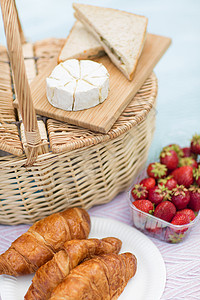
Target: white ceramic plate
149	281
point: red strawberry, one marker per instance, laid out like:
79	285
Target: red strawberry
171	184
195	144
196	173
180	219
176	235
188	212
183	175
155	195
157	170
165	210
168	182
186	151
139	192
176	148
144	205
194	203
180	197
155	231
188	161
148	182
158	193
169	158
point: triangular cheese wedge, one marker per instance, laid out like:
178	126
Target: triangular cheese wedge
80	44
122	34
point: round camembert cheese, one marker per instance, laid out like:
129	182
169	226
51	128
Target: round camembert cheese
75	85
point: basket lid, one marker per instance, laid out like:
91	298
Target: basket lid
64	136
9	135
67	137
101	118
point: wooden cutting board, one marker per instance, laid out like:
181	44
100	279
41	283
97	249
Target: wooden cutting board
103	116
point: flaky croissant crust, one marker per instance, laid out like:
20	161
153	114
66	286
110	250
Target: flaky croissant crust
43	239
103	277
74	252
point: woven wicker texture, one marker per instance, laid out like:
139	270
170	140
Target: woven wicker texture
92	174
45	50
9	135
83	177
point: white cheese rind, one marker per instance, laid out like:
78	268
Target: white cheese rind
82	100
100	72
87	68
59	73
63	93
103	86
72	66
76	85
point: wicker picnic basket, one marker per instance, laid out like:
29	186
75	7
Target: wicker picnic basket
46	165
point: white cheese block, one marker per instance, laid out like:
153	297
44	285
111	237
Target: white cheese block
61	75
72	66
76	85
87	68
102	84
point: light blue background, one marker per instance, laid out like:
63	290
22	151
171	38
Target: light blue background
178	72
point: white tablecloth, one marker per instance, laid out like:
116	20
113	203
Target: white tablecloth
182	260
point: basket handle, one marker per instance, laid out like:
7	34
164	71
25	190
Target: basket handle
21	33
14	38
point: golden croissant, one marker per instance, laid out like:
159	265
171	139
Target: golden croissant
43	239
74	252
103	277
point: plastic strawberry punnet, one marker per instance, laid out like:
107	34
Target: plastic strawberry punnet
175	237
